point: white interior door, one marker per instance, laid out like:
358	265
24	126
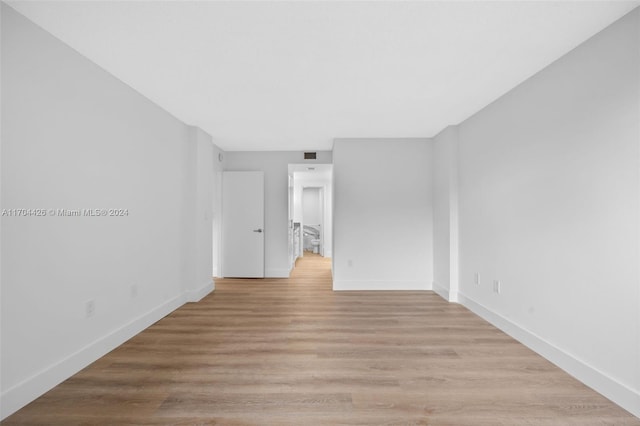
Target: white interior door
243	224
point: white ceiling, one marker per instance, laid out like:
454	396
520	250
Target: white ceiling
294	75
311	171
306	167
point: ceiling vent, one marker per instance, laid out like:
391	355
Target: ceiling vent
310	155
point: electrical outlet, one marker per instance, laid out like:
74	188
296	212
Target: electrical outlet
496	286
134	291
90	308
477	278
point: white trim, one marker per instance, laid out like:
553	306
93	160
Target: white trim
214	273
380	285
31	388
624	396
198	294
276	273
441	291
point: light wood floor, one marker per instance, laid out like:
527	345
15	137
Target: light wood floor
293	352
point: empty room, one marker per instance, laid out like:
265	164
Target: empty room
320	212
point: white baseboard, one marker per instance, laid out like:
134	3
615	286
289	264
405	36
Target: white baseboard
346	285
198	294
624	396
276	273
214	272
445	293
28	390
441	291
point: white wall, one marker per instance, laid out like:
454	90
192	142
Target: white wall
219	162
74	137
311	206
297	200
445	213
276	171
202	282
549	192
382	214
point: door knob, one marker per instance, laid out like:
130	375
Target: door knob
257	230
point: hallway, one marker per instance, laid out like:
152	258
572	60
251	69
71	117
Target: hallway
279	351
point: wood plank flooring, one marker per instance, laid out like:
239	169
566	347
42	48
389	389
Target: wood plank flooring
292	352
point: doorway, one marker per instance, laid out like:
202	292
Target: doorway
310	211
313	220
